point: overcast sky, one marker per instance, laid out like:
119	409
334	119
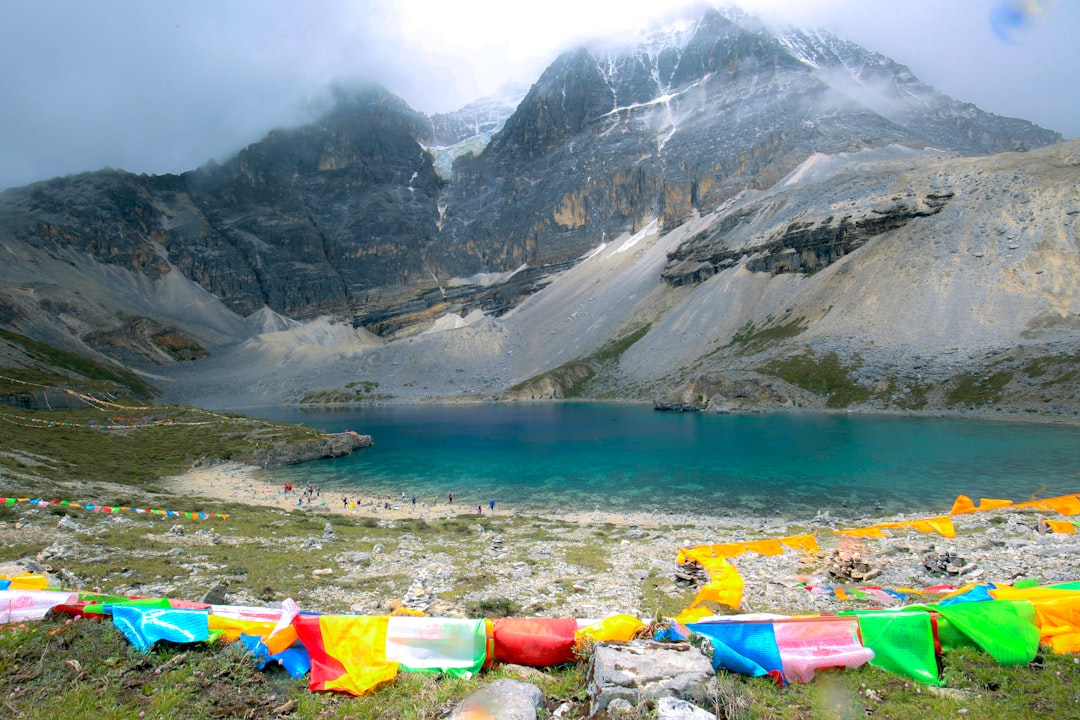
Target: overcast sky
156	87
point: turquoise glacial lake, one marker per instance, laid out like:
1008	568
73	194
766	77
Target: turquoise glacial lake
630	458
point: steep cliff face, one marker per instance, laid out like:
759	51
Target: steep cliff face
963	292
605	142
311	216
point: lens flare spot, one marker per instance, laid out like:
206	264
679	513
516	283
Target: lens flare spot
1013	21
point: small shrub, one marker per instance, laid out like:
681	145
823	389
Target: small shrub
494	608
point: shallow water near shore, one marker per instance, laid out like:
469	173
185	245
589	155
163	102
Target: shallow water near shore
630	458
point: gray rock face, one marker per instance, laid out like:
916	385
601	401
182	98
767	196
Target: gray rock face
644	670
501	700
801	247
349	216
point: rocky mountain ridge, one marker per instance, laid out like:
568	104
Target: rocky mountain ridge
687	154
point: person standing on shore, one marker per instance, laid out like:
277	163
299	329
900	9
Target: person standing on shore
479	509
491	505
450	497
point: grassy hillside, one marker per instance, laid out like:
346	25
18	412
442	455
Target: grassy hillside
115	452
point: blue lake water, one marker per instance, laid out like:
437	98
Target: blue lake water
629	458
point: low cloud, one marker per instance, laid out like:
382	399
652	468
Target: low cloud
151	87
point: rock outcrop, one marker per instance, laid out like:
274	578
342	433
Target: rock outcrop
645	670
328	446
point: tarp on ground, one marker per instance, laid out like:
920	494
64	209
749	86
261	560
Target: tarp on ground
1065	504
747	648
428	644
348	652
20	605
295	659
902	641
1005	630
537	642
725	585
25	581
1057	612
815	643
144	626
614	628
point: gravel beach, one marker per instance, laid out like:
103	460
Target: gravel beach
999	546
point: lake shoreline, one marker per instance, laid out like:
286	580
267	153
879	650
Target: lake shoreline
622	551
996	414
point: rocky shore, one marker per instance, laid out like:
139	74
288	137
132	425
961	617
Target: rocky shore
436	559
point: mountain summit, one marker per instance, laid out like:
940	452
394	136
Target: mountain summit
402	225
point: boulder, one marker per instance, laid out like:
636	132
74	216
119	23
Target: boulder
29	565
670	708
501	700
644	670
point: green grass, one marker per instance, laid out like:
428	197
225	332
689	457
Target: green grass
975	390
661	597
574	377
97	377
355	391
494	608
76	447
915	397
827	376
752	338
613	350
85	668
590	557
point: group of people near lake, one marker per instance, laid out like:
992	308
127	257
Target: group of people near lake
308	496
311	493
351	505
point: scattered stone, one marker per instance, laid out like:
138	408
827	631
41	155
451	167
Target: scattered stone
70	580
503	699
644	670
328	533
177	530
562	710
70	524
418	597
846	563
946	563
53	552
32	566
28	565
670	708
692	572
323	571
